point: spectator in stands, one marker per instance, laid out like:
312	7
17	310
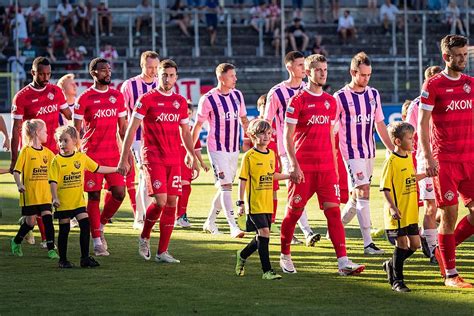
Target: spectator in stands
212	10
110	53
143	11
297	35
28	50
3	45
75	57
179	18
388	15
238	17
320	11
346	27
258	15
273	16
453	18
18	27
65	13
371	11
318	48
335	10
36	19
58	39
4	22
276	40
105	18
82	14
297	8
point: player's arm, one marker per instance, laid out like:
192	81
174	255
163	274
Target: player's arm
424	118
383	134
394	211
270	108
4	131
67	112
241	195
78	125
201	161
105	169
187	139
245	122
420	176
122	127
280	176
16	131
296	175
196	131
334	150
19	184
123	165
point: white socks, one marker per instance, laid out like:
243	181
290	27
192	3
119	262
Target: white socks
303	223
216	206
226	201
363	215
431	236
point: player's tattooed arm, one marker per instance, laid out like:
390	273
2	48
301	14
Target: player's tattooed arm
4	131
67	113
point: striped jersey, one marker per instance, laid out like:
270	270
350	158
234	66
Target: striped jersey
358	113
30	103
412	118
314	115
223	112
275	109
100	112
452	116
132	89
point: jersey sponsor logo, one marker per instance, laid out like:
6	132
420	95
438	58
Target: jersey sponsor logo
42	170
318	119
176	104
361	118
77	164
372	101
221	175
459	105
47	109
105	113
90	183
290	110
326	104
50	96
266	178
229	115
112	99
449	90
74	176
425	94
45	159
449	195
311	106
167	117
429	187
467	88
157	184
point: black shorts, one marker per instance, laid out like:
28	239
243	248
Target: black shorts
69	214
410	230
258	221
31	210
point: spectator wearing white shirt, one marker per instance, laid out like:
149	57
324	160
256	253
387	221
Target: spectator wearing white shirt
346	27
82	13
453	18
388	15
65	14
143	16
18	26
35	18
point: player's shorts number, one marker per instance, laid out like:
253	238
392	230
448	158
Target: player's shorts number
176	182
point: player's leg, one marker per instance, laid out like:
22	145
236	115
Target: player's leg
399	253
47	217
116	183
465	227
141	197
430	230
183	200
263	223
93	186
131	191
40	224
26	226
349	211
210	223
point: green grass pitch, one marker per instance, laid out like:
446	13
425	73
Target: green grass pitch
204	282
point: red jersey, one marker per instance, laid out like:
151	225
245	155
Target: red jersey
313	115
452	128
161	116
30	103
100	112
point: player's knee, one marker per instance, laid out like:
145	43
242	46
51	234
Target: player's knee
118	194
363	191
95	196
415	244
44	213
31	221
401	242
226	187
264	232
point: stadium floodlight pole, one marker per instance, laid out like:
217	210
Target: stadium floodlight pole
153	25
164	48
423	32
282	35
130	37
407	52
420	63
197	51
17	47
96	30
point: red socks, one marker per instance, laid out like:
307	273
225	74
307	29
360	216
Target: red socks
111	207
153	212
166	228
132	194
183	200
39	222
463	231
93	211
336	230
447	247
275	208
288	229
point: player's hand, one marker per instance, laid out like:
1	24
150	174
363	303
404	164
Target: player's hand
432	167
56	203
21	188
395	212
123	167
241	210
296	175
6	144
204	166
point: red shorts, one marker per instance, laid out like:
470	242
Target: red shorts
162	179
454	177
276	185
93	181
186	173
324	184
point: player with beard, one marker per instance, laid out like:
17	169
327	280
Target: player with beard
164	115
310	146
101	112
446	127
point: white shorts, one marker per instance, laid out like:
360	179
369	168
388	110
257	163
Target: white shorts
225	166
285	164
359	171
426	186
136	151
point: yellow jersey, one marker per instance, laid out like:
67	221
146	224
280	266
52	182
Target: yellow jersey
68	173
398	177
257	169
33	165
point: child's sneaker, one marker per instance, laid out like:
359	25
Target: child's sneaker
271	275
52	254
16	248
89	262
240	265
388	268
44	244
65	264
399	286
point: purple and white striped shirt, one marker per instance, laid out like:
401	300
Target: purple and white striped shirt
275	109
357	115
223	112
132	89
